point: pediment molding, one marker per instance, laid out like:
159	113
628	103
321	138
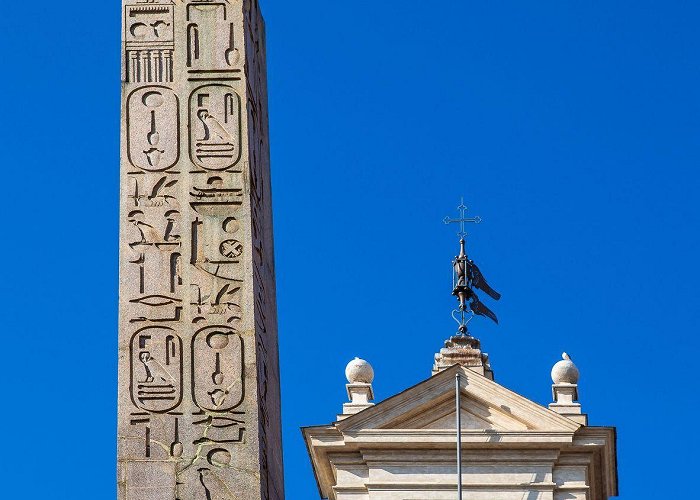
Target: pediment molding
440	414
415	430
486	405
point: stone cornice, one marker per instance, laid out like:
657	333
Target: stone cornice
476	387
373	440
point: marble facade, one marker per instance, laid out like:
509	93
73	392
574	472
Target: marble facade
404	448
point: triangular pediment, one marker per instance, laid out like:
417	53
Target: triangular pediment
442	415
485	406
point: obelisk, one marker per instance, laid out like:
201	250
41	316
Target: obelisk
199	395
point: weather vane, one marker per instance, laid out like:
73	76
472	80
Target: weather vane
467	277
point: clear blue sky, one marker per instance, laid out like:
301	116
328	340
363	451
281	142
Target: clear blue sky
571	127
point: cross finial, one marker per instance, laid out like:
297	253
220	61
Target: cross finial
462	219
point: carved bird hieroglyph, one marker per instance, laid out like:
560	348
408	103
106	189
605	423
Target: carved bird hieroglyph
155	372
212	127
149	234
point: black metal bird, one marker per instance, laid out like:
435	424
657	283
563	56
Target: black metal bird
467	278
479	308
478	280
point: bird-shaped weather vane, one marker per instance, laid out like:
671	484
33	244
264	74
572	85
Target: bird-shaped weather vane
467	278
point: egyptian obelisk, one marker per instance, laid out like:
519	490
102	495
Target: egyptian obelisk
199	394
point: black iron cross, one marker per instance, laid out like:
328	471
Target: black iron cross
462	219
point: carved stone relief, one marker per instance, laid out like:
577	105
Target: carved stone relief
197	305
217	368
215	127
215	198
150	42
218	299
159	192
217	248
211	37
154	241
156	369
153	128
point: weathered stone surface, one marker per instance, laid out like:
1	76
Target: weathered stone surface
198	361
463	350
565	376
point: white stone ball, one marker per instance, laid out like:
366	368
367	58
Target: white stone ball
359	371
565	371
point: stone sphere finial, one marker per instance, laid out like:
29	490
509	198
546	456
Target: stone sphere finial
359	371
565	371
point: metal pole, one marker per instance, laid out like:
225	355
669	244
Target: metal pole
458	397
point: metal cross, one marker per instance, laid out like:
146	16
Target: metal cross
462	219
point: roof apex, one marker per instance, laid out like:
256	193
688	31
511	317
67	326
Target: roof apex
505	405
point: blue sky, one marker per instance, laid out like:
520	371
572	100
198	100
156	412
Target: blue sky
570	127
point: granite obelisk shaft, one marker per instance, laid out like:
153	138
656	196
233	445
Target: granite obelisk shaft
199	395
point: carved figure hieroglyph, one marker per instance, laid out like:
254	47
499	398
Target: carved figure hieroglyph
156	369
215	127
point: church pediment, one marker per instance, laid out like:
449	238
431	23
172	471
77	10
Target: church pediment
485	406
475	415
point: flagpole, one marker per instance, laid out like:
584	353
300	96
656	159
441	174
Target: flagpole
459	437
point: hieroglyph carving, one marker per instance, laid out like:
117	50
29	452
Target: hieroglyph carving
154	241
156	369
160	192
149	41
211	38
199	395
216	249
217	300
215	198
217	369
153	128
215	127
217	246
